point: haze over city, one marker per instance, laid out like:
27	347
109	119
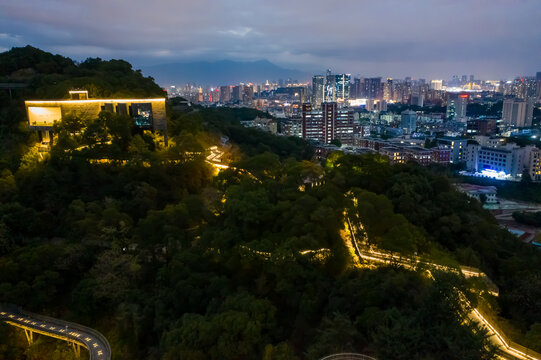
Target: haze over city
493	39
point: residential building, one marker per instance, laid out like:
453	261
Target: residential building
517	113
292	127
441	155
457	146
374	88
408	121
534	166
482	126
396	155
328	123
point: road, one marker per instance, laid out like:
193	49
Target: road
78	335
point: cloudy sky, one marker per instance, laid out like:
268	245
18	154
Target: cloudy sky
494	39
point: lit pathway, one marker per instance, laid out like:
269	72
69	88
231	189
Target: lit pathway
512	351
75	334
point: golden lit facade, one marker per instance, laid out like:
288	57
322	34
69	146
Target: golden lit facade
146	113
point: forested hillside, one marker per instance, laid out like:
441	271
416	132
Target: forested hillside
170	259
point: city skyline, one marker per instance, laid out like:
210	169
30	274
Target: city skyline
420	38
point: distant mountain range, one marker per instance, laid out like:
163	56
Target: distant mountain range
225	72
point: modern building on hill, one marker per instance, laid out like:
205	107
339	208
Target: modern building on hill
146	113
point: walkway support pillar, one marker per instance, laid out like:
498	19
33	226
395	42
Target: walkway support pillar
29	336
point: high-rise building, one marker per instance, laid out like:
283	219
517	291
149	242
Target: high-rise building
388	90
318	90
237	92
416	98
374	88
436	84
517	113
464	79
343	86
472	78
524	87
456	106
357	91
225	94
328	123
337	87
247	93
408	121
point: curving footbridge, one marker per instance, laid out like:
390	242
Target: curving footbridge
75	334
347	356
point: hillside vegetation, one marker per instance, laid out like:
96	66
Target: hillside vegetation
171	260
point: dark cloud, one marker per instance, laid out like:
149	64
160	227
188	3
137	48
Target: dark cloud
429	38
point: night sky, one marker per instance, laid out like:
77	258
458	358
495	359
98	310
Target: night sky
493	39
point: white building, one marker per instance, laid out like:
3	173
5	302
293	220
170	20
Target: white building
506	162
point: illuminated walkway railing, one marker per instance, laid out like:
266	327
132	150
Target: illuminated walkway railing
498	337
347	356
75	334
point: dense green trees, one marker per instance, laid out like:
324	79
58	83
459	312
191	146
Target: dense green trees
169	261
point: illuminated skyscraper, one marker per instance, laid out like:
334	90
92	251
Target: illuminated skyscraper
337	87
318	90
342	86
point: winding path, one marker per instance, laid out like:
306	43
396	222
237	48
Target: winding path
509	349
